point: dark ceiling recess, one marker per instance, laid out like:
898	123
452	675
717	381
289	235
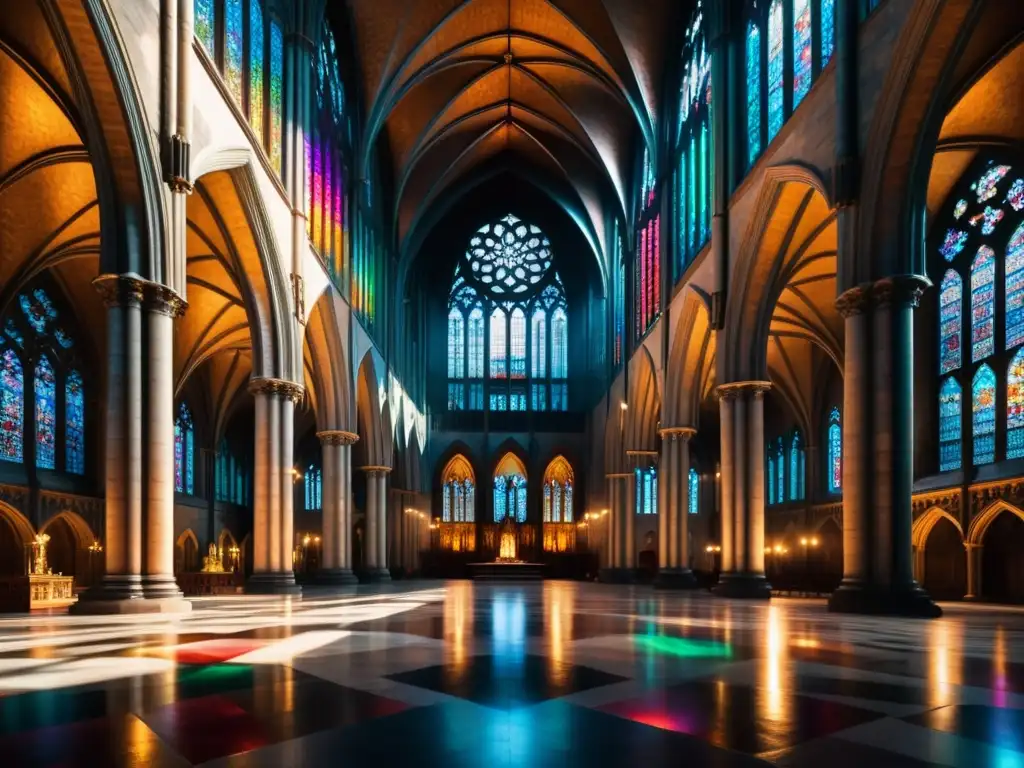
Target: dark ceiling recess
564	89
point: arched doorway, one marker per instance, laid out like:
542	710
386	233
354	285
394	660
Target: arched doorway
945	562
827	563
1002	567
186	553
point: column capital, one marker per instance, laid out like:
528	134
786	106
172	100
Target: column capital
372	469
268	386
737	388
618	476
337	437
854	301
677	433
159	298
900	289
641	453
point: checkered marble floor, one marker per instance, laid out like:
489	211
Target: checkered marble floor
556	674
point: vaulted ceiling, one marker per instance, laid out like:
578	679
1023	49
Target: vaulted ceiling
560	90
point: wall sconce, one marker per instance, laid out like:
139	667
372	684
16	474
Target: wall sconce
96	546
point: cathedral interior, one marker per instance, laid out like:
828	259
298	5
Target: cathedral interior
512	382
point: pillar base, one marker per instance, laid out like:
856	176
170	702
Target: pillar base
125	595
617	576
743	586
856	597
375	576
675	578
273	583
164	587
337	577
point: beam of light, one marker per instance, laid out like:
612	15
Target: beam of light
285	651
85	672
682	647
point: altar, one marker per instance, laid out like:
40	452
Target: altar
507	566
40	589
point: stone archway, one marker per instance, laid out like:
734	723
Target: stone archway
997	537
16	536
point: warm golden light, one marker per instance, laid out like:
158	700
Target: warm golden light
623	406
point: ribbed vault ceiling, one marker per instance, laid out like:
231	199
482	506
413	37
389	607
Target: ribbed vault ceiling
563	86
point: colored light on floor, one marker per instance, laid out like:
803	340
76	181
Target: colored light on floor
683	647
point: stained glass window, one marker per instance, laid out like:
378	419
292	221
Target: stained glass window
705	186
256	68
796	452
693	492
1014	266
518	344
233	47
508	257
835	453
950	311
314	488
559	345
547	502
204	23
12	405
46	413
949	425
446	503
775	69
648	508
983	407
620	305
828	30
780	471
276	93
538	333
771	478
469	505
983	274
456	344
519	486
184	446
985	186
953	244
691	228
1015	196
476	343
567	514
753	92
801	50
498	335
1015	407
74	424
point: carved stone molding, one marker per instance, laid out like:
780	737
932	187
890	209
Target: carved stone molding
160	298
133	291
854	301
618	476
677	433
736	389
337	437
279	387
178	153
983	496
370	469
900	289
947	500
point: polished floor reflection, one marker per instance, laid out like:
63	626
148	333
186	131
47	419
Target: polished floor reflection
553	674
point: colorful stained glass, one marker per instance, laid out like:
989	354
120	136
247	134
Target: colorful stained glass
519	489
985	186
983	274
12	407
1015	197
828	30
204	23
648	507
276	94
1014	268
538	340
567	513
775	44
801	50
559	397
950	310
11	332
38	309
508	257
1015	407
694	193
835	453
234	47
46	414
559	345
517	344
456	344
780	468
796	489
949	425
74	424
771	479
475	339
753	92
184	447
499	368
62	338
988	219
953	244
620	311
693	492
656	265
983	419
960	209
256	68
705	186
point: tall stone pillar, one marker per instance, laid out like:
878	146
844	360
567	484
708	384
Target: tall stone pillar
673	500
878	451
742	419
337	489
375	548
273	494
139	451
619	568
974	554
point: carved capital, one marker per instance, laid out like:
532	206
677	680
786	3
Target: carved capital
120	290
900	289
373	469
618	476
337	437
755	389
854	301
677	433
161	299
279	387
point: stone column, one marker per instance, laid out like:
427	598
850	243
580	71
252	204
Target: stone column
618	569
878	451
674	571
742	411
974	554
273	492
337	489
375	547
